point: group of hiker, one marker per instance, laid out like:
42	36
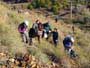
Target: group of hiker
41	30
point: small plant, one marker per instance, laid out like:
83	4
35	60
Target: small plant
30	6
55	9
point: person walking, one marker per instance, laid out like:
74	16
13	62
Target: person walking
55	36
68	45
47	29
32	34
38	27
23	30
40	31
35	26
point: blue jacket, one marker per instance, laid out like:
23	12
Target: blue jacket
67	42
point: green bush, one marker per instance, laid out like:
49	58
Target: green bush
55	9
36	3
55	6
30	6
48	4
42	3
65	3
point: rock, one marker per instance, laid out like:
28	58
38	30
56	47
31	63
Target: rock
12	60
2	54
34	66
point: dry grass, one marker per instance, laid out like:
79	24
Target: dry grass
9	37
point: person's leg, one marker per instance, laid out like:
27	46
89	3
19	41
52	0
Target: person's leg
42	34
67	49
23	37
73	54
38	36
55	42
70	51
30	41
26	37
48	35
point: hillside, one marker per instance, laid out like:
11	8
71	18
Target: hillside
10	40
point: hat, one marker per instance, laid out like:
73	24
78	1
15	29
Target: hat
72	39
26	22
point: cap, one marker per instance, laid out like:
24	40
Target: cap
26	22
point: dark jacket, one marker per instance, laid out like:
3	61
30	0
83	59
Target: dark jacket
55	35
47	27
32	33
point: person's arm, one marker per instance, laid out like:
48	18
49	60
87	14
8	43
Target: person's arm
33	26
49	27
57	35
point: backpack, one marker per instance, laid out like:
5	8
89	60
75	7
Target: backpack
22	27
32	33
70	38
68	41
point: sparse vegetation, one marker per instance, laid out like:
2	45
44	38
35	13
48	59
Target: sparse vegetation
10	38
30	7
51	5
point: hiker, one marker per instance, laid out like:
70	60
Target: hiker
32	34
55	36
23	29
68	45
35	26
38	27
40	31
47	29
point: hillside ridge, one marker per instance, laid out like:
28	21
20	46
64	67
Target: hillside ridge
10	40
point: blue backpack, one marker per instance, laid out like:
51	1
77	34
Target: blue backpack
67	42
